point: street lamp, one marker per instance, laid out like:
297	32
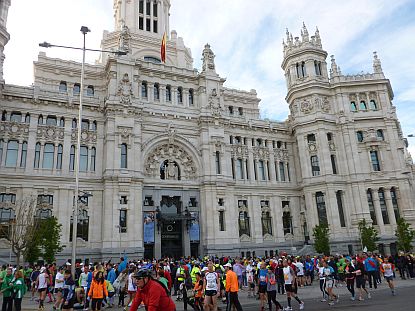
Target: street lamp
45	44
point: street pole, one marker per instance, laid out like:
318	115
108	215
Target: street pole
84	31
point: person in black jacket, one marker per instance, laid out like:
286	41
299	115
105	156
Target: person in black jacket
68	297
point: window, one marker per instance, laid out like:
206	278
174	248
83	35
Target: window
72	158
362	105
1	149
156	91
123	156
255	171
11	153
40	120
27	118
82	226
239	169
144	92
333	164
23	155
379	135
76	89
180	95
141	23
230	110
383	208
244	224
16	117
93	159
44	199
168	93
221	220
37	155
395	203
123	220
90	90
217	162
62	122
6	213
373	105
282	171
51	120
124	200
148	22
329	136
63	87
315	166
4	115
240	111
317	68
59	157
287	221
259	142
359	136
141	7
321	208
48	155
279	144
238	140
93	126
83	159
74	123
353	106
311	138
85	124
191	97
8	198
340	207
148	8
375	160
261	168
152	59
288	171
266	221
303	70
371	206
247	169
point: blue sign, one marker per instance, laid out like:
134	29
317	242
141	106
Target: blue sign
194	231
148	225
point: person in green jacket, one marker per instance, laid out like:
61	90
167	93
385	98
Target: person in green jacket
7	290
19	289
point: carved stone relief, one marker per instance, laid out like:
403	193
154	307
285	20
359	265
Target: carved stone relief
87	137
306	106
48	132
239	151
125	90
14	130
214	103
260	152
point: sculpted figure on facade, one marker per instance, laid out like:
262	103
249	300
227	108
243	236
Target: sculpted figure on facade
124	39
214	103
171	132
125	90
208	59
306	106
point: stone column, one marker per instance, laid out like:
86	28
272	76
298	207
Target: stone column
186	239
378	212
389	207
162	94
145	15
151	16
276	211
272	170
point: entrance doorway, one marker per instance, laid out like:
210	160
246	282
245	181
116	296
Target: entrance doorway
171	239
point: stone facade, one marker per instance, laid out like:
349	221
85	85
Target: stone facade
171	149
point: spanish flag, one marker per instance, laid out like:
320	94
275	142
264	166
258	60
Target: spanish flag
163	48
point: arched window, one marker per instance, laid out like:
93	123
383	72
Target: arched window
48	156
83	159
317	68
180	95
76	89
85	124
379	135
59	157
74	123
144	92
373	105
93	159
23	156
82	227
40	119
170	170
353	106
156	91
362	105
4	115
303	70
63	87
168	93
321	208
37	155
191	97
152	59
72	158
94	126
123	156
62	122
27	118
11	153
90	90
1	149
359	136
297	69
383	208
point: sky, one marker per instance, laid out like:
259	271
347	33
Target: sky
246	37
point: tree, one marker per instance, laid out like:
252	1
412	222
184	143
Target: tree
22	228
405	235
368	236
321	239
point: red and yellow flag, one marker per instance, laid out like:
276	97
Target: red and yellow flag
163	48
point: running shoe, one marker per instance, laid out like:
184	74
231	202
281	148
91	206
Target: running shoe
369	296
331	303
323	300
361	299
302	306
288	309
337	298
352	298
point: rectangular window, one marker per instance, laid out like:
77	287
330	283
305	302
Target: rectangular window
1	149
148	23
155	30
261	169
395	203
375	161
93	159
282	171
371	207
340	208
255	171
37	156
141	7
141	23
239	169
148	8
247	169
315	166
383	208
123	220
72	158
222	220
217	162
276	166
123	155
83	159
23	155
48	156
59	157
11	153
333	164
321	208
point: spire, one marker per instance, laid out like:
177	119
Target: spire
377	66
304	33
317	35
334	71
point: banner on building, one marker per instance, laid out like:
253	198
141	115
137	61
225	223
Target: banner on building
194	231
148	224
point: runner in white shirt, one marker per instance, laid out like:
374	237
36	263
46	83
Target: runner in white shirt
289	280
300	272
59	279
42	286
387	269
211	288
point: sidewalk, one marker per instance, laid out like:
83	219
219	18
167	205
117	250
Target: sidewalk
304	293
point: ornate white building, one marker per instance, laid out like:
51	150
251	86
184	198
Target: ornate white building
179	164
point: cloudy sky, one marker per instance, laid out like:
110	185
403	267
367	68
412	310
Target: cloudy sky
246	37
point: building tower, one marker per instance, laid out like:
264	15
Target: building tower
4	35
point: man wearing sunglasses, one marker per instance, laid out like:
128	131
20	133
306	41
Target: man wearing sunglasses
151	292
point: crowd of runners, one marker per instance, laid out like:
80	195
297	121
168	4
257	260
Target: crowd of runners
208	283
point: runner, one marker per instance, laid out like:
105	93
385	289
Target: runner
59	279
289	282
329	278
68	297
322	281
42	283
360	279
232	288
262	285
211	287
387	269
272	289
350	275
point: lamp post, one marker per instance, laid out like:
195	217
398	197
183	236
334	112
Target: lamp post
84	30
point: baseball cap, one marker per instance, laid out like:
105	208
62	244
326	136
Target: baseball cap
228	265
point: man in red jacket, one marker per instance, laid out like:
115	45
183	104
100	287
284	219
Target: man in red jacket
152	293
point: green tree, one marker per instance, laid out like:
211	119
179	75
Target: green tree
321	239
405	235
368	236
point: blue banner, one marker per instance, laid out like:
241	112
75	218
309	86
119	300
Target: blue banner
148	224
194	231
